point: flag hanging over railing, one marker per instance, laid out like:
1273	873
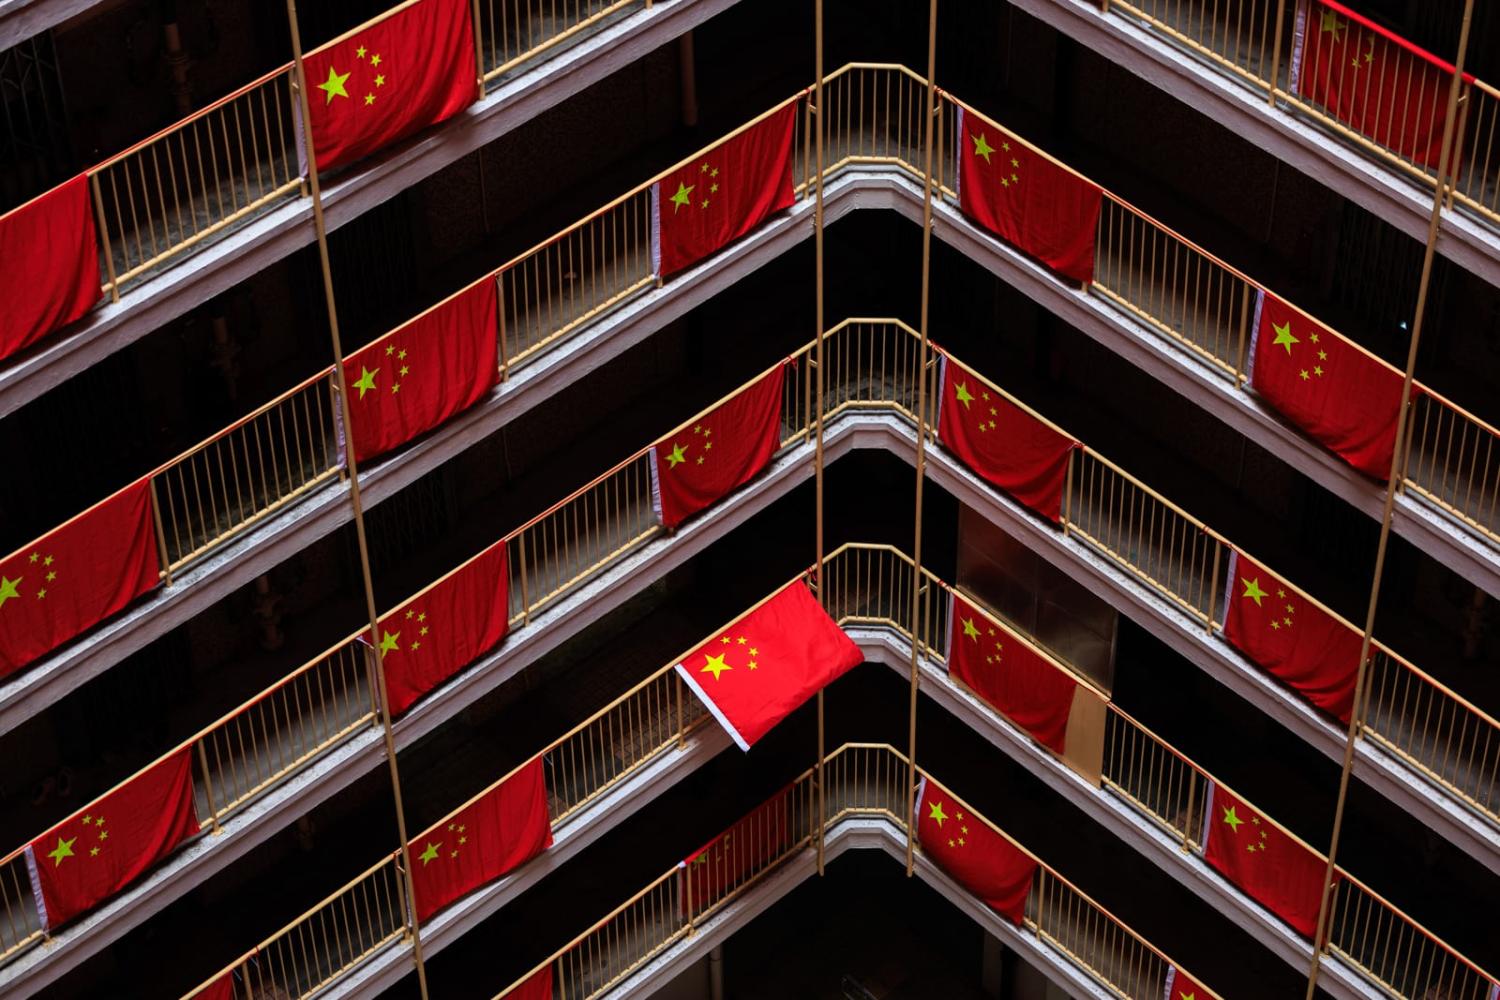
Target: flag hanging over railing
501	830
424	371
1026	198
389	79
49	264
762	667
718	452
982	860
1272	867
724	193
1181	986
445	628
77	575
86	859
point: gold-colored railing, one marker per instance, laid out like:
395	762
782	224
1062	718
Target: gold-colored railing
863	780
512	32
1452	460
214	169
1232	34
247	471
871	585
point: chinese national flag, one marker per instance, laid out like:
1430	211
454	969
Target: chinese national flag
738	854
966	847
1277	871
502	829
1181	986
445	628
1009	674
1348	400
723	194
1016	192
1002	443
49	264
1377	83
1292	639
761	668
73	578
382	82
423	372
84	860
722	450
538	986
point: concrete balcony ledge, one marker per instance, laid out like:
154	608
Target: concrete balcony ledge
1383	192
1134	829
229	261
20	19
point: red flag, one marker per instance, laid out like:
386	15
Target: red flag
1026	198
1379	84
1293	639
724	193
1276	870
386	80
537	986
1181	986
1345	398
762	667
50	271
503	828
445	628
91	856
1010	674
1002	443
77	575
423	372
738	854
983	860
720	451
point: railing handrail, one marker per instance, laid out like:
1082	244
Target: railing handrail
344	36
224	432
1414	924
1378	647
1019	404
183	122
1467	414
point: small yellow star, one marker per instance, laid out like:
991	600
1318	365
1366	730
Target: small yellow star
360	52
369	99
375	60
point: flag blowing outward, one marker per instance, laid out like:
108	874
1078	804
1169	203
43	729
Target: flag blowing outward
738	854
391	78
84	860
502	829
1043	209
723	194
1377	83
1346	399
445	628
1294	640
1277	871
423	372
1181	986
76	576
719	452
49	264
1002	443
759	669
1009	674
966	847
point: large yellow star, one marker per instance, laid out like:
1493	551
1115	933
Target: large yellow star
715	666
1284	336
963	394
683	196
430	854
333	86
935	811
64	849
982	147
1332	23
1252	590
388	642
366	380
971	630
8	588
1233	819
678	456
